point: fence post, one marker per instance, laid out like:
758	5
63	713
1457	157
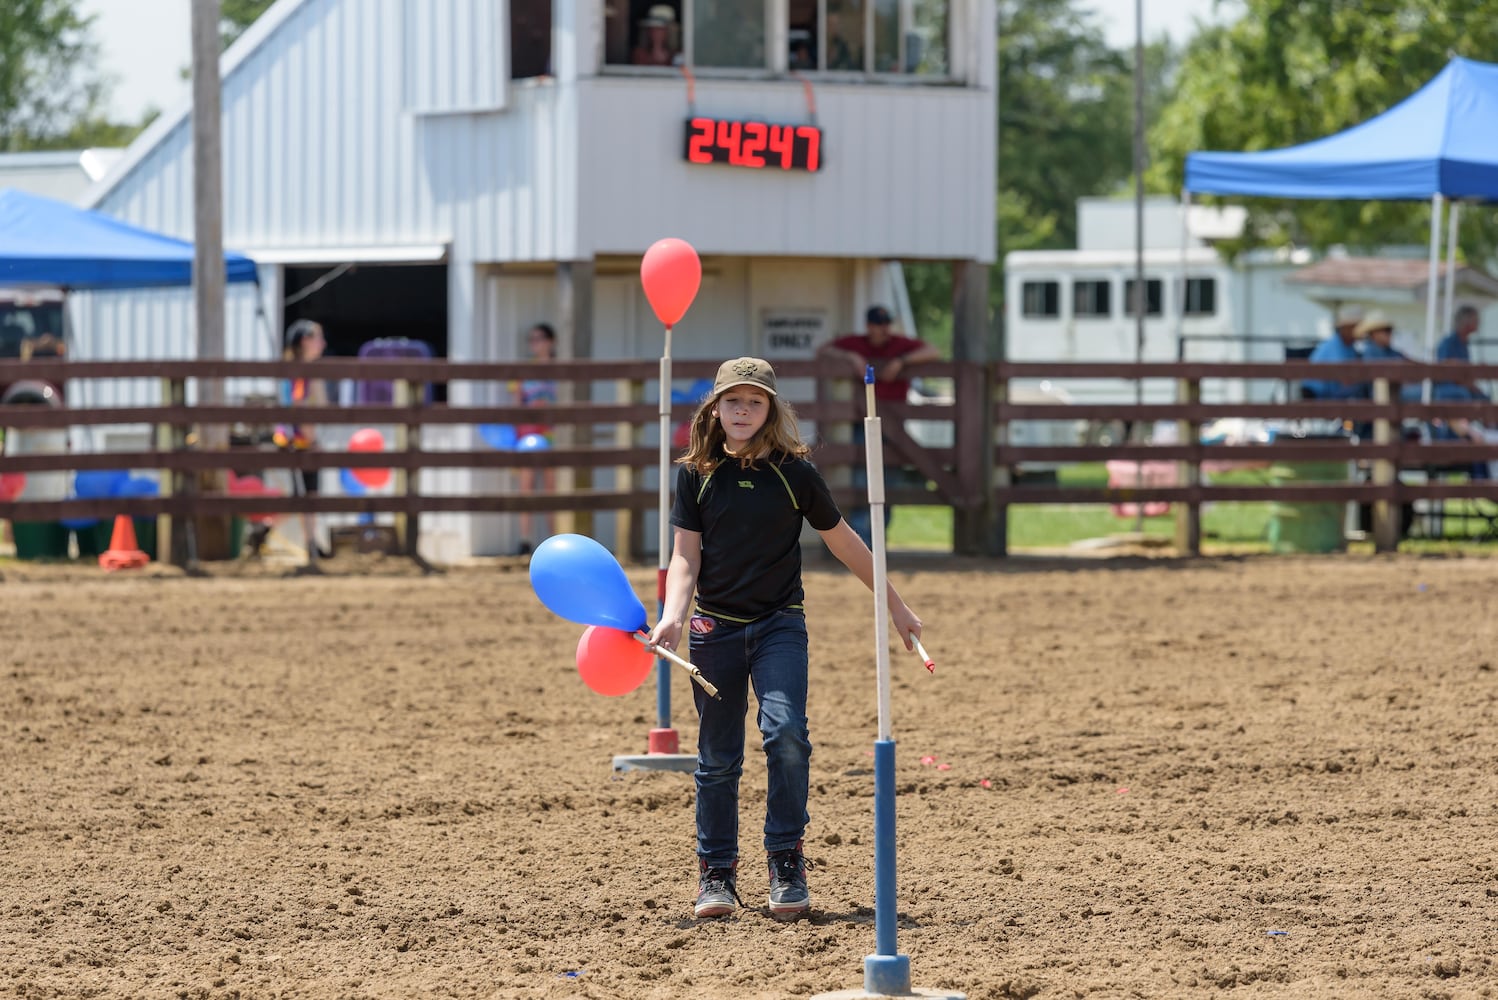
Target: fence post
629	526
999	483
1385	511
171	540
972	522
409	395
1188	526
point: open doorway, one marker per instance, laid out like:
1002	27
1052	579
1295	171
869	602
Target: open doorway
358	303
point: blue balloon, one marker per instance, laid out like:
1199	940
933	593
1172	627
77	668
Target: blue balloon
580	580
695	393
96	484
533	442
138	486
350	483
498	436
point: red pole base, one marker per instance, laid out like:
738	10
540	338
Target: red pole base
664	741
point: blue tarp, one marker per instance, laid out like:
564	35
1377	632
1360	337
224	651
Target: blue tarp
1439	140
56	245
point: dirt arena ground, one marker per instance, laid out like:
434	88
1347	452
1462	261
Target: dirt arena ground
1127	778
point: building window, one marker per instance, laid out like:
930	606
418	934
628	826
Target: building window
1154	297
728	34
1201	297
1040	299
642	33
1091	298
907	36
844	23
530	39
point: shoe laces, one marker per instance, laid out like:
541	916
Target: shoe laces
790	862
718	879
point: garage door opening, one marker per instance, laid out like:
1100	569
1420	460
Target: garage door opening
358	303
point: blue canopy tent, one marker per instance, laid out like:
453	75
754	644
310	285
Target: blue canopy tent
48	243
1435	144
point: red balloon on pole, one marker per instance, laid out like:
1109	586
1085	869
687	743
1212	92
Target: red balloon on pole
611	661
369	439
671	273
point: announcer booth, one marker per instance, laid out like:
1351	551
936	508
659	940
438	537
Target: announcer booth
456	171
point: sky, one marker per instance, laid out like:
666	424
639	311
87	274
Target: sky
145	44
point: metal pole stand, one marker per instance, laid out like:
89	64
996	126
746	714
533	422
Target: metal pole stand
886	973
662	744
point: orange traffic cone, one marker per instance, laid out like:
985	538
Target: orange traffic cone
123	552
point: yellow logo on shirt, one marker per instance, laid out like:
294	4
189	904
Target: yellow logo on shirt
745	484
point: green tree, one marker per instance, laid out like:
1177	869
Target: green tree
1290	71
1065	130
43	92
237	15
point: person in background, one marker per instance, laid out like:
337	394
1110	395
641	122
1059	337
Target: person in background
890	354
657	43
1456	346
744	490
305	341
1339	348
541	345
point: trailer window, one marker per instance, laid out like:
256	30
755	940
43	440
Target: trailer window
1040	299
1154	297
1092	298
1201	297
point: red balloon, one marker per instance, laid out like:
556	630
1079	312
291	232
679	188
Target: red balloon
369	439
611	661
12	485
671	273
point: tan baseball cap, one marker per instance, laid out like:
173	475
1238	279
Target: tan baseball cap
745	371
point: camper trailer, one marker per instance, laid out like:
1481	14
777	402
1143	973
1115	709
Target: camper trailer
1077	305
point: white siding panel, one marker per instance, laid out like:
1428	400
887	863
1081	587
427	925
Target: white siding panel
510	177
317	151
455	55
898	168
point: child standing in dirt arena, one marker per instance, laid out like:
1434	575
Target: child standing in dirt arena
742	491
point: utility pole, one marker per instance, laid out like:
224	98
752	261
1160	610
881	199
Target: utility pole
208	246
1139	286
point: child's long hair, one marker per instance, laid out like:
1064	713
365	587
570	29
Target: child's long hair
779	434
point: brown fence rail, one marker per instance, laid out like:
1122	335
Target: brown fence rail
181	463
976	476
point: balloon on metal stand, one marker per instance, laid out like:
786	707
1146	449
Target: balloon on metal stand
671	275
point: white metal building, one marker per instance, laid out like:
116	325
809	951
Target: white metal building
487	164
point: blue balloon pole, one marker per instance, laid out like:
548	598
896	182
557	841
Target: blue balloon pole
886	971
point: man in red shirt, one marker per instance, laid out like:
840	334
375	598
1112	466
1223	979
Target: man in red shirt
889	353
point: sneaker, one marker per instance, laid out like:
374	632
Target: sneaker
789	897
717	890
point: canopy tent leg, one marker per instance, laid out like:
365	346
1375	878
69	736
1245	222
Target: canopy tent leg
1448	304
1431	288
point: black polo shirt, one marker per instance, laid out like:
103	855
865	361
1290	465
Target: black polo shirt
750	522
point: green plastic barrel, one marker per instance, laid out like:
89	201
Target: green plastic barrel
40	539
1307	527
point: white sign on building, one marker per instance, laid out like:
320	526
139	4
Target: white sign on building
792	333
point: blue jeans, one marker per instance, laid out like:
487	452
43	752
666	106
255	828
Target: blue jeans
771	655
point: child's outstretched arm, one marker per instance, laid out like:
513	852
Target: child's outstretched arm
850	550
681	584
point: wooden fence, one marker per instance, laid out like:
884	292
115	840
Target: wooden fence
974	476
